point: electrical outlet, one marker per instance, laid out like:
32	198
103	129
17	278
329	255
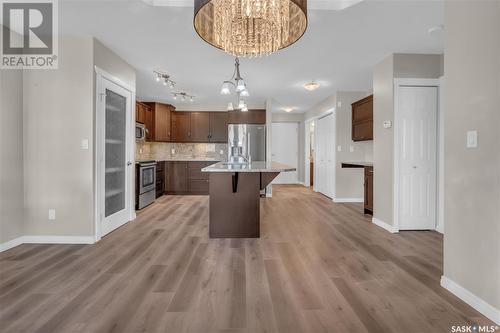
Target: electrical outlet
221	152
173	151
351	149
339	148
52	214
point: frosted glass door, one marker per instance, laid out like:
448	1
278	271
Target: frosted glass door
115	153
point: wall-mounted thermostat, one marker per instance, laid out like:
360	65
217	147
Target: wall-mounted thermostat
387	124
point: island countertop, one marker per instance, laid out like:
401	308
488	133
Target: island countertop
251	167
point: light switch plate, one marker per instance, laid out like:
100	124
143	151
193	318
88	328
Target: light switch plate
52	214
173	151
339	148
221	152
387	124
472	139
85	144
351	149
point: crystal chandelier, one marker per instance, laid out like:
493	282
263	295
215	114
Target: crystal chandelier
239	86
249	28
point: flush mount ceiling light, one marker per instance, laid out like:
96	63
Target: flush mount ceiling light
183	96
240	88
249	28
164	78
287	109
311	86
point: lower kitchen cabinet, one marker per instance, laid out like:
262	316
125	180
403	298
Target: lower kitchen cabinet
187	178
177	173
160	179
368	206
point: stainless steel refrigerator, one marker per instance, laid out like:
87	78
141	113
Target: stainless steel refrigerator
246	143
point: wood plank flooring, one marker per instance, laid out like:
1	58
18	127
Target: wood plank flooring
319	267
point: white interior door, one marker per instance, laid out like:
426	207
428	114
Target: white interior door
417	107
285	149
325	155
114	117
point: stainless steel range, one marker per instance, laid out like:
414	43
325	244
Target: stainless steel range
146	183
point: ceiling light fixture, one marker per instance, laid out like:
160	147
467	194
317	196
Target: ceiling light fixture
249	28
183	96
164	78
311	86
287	109
240	88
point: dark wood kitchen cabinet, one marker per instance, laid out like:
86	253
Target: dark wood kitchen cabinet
249	117
160	178
181	126
218	127
162	121
187	178
200	126
177	173
368	205
362	119
144	115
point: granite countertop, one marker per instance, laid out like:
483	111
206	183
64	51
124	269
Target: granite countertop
356	164
252	167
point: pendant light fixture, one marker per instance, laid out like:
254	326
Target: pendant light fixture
240	88
249	28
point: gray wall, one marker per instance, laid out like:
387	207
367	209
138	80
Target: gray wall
59	110
472	176
11	154
394	66
383	140
58	114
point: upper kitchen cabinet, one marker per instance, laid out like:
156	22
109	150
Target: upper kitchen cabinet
362	119
248	117
200	127
218	127
181	126
144	115
161	121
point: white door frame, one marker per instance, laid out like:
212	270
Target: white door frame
415	82
315	120
101	75
307	152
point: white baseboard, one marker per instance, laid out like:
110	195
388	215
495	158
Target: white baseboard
47	240
440	229
384	225
343	200
10	244
477	303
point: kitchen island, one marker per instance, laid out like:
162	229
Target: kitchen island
234	191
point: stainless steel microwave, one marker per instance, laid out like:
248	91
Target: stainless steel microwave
140	132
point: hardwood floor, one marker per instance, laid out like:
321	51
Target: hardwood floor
319	267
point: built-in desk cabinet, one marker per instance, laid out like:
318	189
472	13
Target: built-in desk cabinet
368	202
362	119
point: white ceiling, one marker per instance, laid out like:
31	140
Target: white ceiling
338	50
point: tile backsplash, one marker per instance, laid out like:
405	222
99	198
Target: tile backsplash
169	151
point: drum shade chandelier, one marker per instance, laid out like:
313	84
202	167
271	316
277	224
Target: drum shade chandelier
250	28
